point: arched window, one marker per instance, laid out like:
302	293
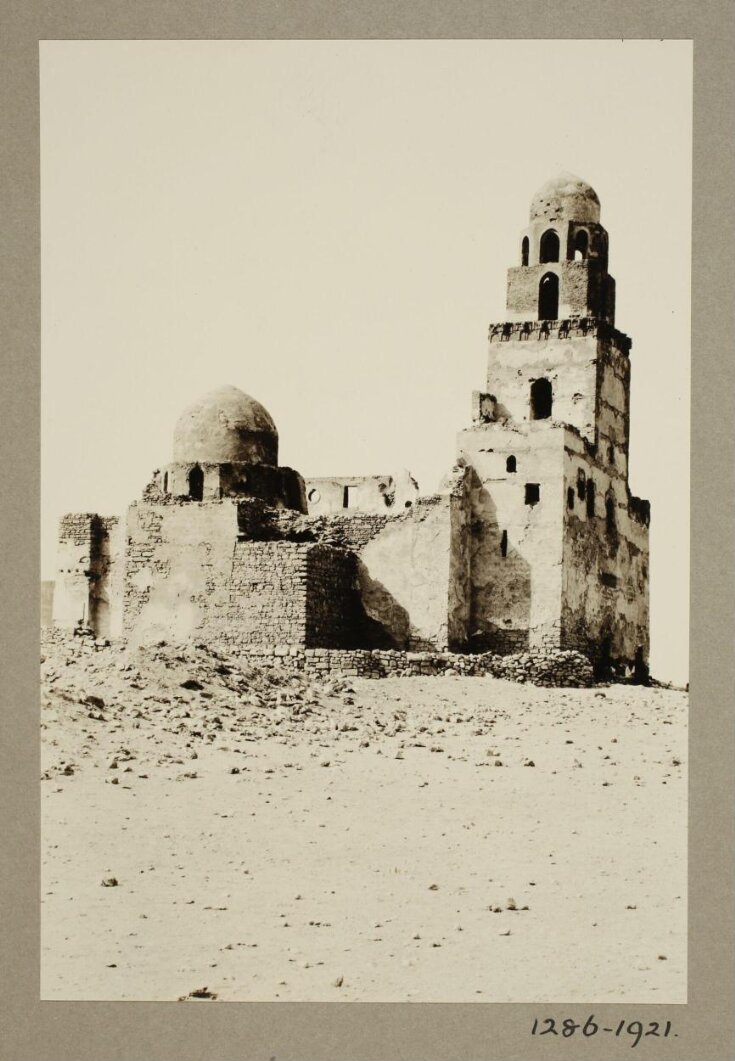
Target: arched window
196	483
524	251
549	247
541	399
610	514
581	245
570	498
590	497
548	297
165	482
510	464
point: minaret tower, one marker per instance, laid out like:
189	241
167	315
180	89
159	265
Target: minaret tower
560	548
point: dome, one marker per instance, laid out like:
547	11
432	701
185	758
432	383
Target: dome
566	197
225	426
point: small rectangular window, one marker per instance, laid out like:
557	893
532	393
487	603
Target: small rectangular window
533	493
570	498
504	543
608	579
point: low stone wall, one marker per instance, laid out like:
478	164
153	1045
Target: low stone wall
550	668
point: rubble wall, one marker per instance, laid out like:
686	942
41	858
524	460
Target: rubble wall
547	668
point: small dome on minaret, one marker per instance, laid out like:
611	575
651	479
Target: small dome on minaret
566	198
226	426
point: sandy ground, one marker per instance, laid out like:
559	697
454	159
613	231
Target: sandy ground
369	847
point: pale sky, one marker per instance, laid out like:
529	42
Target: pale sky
327	225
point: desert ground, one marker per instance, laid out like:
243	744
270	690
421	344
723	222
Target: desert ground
213	831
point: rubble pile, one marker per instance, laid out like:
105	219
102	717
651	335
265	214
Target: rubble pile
125	710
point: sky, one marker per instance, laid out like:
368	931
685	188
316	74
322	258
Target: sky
327	225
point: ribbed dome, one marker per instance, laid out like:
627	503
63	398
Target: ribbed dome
566	197
224	426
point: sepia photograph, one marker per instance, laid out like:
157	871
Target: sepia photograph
365	443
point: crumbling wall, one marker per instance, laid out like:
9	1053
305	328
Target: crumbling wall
191	574
515	535
88	589
279	487
106	585
412	577
363	493
613	407
459	604
179	561
73	567
605	602
350	532
332	495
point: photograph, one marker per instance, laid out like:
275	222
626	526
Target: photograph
365	521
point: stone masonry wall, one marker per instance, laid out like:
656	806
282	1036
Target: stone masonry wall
190	573
332	613
266	595
286	593
548	668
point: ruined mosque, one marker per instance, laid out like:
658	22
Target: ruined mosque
533	540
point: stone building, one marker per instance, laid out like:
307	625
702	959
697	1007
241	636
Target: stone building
533	539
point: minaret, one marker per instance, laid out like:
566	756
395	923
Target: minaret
560	549
558	354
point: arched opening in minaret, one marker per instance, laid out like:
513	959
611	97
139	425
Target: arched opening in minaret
549	247
524	251
541	399
548	297
196	483
581	245
510	464
610	514
165	482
